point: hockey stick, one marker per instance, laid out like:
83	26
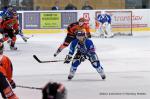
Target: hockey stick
28	87
29	36
37	59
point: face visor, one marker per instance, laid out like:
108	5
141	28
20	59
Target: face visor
80	38
81	23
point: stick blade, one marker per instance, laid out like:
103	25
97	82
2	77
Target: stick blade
35	57
41	61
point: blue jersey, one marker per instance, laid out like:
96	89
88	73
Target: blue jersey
102	18
6	14
87	48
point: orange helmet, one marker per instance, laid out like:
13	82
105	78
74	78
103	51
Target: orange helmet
82	20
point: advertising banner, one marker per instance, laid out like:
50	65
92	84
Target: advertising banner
31	20
50	20
119	19
123	17
67	18
89	16
140	18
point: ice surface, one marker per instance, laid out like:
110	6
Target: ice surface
126	61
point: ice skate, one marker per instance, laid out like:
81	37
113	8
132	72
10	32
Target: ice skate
13	48
103	76
71	75
101	72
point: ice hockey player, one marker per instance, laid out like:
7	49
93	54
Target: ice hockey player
85	50
8	13
9	27
104	29
6	73
72	28
54	90
21	34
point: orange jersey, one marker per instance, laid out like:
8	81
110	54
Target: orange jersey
72	28
6	67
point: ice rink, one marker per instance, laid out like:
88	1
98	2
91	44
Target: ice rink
126	61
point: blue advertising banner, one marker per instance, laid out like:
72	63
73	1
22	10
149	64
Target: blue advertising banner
31	20
67	18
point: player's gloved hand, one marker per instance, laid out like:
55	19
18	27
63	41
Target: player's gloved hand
16	32
58	51
89	35
13	84
24	39
68	59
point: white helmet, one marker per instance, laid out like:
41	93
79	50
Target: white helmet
103	12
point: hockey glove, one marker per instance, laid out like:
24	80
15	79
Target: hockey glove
24	39
13	84
88	35
58	51
68	59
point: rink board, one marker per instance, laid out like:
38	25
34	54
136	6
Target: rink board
56	31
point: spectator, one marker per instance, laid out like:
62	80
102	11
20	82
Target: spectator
87	6
70	7
56	7
37	7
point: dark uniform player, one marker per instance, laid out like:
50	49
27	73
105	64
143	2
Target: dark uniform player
85	50
6	71
72	28
9	27
8	13
54	90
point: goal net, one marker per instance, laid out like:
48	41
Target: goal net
121	22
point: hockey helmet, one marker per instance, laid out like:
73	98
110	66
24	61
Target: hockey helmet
103	12
54	90
81	21
80	33
10	8
14	13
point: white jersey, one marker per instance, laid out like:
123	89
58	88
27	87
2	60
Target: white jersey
104	25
